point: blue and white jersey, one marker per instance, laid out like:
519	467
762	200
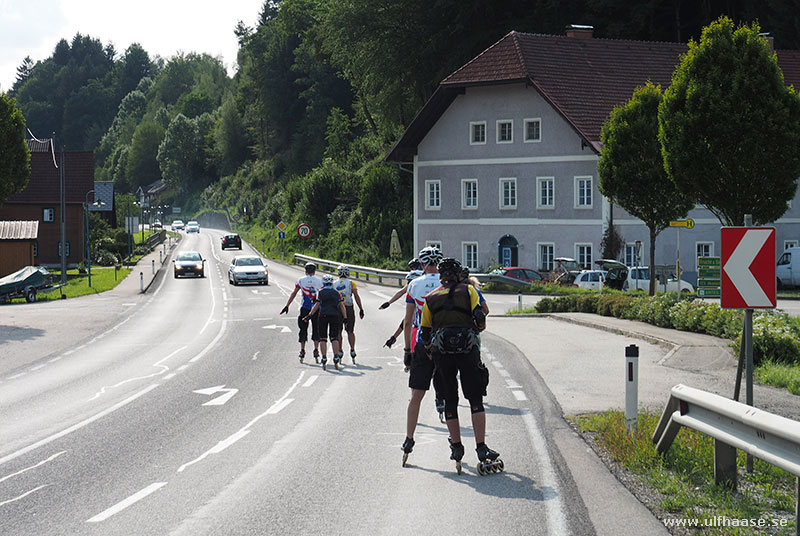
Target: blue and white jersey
416	292
309	285
345	288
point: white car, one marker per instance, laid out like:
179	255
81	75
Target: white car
177	225
639	278
192	227
247	269
591	279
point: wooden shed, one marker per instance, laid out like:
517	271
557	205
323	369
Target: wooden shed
17	245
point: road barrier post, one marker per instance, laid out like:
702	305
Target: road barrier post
631	388
519	301
141	281
153	265
160	258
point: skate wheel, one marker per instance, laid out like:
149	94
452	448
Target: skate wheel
500	465
405	459
458	467
495	468
481	470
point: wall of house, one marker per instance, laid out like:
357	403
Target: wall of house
50	232
14	255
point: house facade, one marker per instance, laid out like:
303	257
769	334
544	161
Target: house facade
504	155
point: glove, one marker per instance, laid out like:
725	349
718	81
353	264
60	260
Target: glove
390	341
384	305
306	318
407	357
285	310
361	313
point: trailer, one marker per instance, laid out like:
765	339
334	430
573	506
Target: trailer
25	283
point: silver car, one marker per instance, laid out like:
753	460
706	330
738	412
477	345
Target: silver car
247	269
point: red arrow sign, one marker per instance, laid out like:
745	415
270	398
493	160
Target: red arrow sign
748	267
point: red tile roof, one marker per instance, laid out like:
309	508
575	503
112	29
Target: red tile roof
19	230
584	79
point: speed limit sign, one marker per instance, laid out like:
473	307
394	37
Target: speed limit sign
303	230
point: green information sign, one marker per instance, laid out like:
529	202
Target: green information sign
708	283
709	272
709	292
708	261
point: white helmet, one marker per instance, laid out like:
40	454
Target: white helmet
343	270
327	279
413	274
429	255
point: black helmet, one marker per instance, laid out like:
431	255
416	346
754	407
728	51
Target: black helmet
464	272
414	264
449	270
311	267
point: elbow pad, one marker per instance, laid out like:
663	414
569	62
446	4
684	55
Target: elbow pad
425	336
478	319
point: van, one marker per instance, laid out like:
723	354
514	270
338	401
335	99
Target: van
787	270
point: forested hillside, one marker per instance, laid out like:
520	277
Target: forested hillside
324	88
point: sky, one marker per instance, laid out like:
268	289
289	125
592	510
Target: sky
164	28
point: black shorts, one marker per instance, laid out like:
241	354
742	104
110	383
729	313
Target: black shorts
303	325
469	366
329	326
350	323
421	371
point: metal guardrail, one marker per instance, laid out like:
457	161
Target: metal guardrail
733	425
398	275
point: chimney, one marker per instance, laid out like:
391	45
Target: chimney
770	40
579	31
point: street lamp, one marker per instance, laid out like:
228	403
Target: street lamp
97	203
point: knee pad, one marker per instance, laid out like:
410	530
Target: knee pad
476	405
450	410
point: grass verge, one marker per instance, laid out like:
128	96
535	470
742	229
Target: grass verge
103	279
679	487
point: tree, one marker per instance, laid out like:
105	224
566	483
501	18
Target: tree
141	165
15	157
179	152
730	127
631	168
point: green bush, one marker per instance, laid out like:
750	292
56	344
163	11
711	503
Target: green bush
613	304
776	338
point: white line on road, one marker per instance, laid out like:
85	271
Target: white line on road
512	384
164	368
55	359
23	495
37	367
279	406
216	449
53	457
519	395
255	355
554	503
133	499
15	376
503	372
311	380
78	426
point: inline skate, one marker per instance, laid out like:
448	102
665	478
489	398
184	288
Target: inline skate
488	460
324	362
302	355
440	409
353	355
316	355
408	446
456	453
336	360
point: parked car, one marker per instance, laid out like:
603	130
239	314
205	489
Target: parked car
524	274
231	240
787	270
247	269
639	278
590	279
189	262
616	273
192	227
157	225
177	225
566	270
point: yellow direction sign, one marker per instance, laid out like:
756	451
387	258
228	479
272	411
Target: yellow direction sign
688	223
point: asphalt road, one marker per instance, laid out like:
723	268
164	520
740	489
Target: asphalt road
189	413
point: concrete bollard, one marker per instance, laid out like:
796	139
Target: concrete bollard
160	258
141	281
631	388
519	301
153	265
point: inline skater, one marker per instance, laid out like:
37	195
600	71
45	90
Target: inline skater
451	318
413	274
331	310
309	284
417	361
415	266
346	287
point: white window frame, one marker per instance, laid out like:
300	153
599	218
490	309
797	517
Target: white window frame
464	186
790	244
540	264
472	125
48	215
577	181
434	244
465	257
539	182
428	185
578	246
504	180
629	246
703	243
525	129
499	122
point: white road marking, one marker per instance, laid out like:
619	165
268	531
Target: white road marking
77	426
554	503
512	384
55	359
23	495
255	355
284	329
37	367
53	457
157	364
15	376
279	406
503	372
519	395
220	400
120	506
497	364
216	449
170	376
310	380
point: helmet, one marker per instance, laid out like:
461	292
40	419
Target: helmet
449	270
464	272
429	255
311	267
327	279
414	264
343	270
413	274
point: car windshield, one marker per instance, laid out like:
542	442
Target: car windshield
641	273
249	261
190	256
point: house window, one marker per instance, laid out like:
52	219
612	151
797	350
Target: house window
583	192
470	254
703	249
505	131
545	188
49	214
434	244
533	130
583	254
477	133
630	254
508	193
433	195
789	244
469	194
59	249
35	248
546	257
